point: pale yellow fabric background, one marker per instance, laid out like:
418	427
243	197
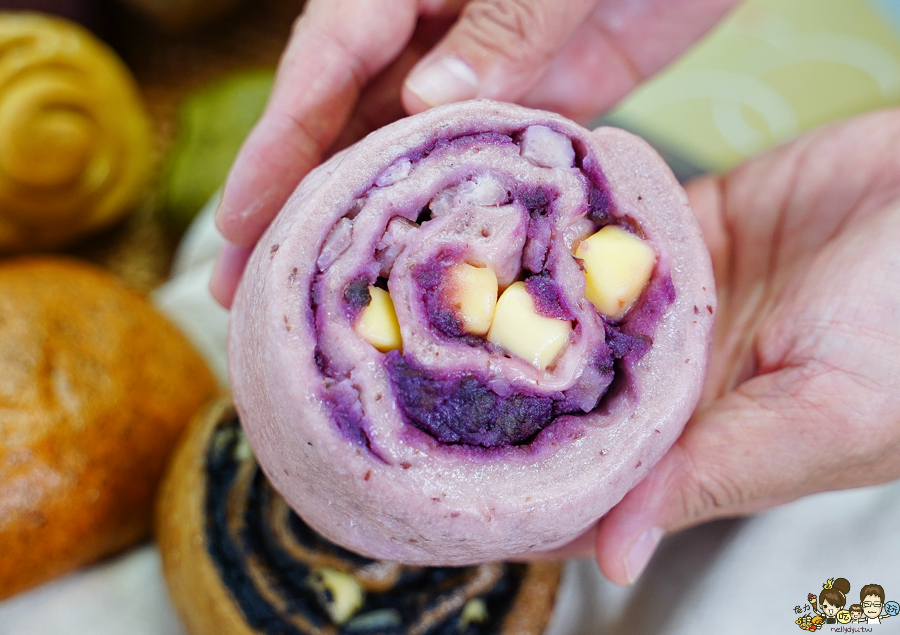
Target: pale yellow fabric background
772	70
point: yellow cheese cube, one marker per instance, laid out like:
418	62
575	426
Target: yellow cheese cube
472	293
474	612
378	323
343	595
617	266
519	329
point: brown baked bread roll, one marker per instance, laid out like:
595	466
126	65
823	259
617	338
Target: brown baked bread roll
77	150
238	561
95	389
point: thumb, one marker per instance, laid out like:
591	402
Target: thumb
747	451
498	49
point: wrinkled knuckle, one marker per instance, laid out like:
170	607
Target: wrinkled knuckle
510	28
711	495
306	145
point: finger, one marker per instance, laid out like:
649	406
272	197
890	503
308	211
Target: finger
707	199
227	273
498	49
768	442
581	547
618	46
730	340
578	60
336	47
380	104
698	479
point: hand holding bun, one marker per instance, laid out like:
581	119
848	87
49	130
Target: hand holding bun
95	389
409	413
75	142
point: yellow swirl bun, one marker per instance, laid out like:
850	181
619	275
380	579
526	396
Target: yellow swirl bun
75	141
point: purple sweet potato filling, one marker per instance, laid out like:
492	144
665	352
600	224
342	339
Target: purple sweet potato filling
548	299
538	201
442	317
357	296
441	143
462	407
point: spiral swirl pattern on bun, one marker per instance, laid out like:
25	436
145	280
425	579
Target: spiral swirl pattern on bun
468	335
75	141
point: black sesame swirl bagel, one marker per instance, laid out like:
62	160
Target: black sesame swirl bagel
239	561
468	335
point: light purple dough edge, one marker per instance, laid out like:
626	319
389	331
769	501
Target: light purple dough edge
445	508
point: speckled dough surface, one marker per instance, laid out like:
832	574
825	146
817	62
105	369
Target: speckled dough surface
451	450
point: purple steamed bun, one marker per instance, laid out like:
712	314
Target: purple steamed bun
452	451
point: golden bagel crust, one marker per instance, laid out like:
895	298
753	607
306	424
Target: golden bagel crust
202	601
95	389
195	583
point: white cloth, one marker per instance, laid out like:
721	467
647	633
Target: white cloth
126	595
185	297
739	577
728	577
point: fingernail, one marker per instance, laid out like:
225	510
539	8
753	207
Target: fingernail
227	272
446	80
218	287
640	553
219	216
